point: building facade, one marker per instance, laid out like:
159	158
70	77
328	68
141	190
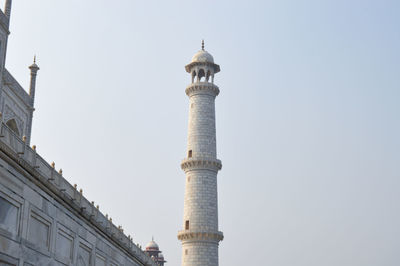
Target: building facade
200	236
16	104
45	220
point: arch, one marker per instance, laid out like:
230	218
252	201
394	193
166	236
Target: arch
13	126
208	75
201	75
193	75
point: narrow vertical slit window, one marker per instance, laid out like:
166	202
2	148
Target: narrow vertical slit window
187	225
190	153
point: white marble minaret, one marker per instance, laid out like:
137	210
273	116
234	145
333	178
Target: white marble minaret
200	235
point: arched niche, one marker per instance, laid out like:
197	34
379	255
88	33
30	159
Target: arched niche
201	75
13	126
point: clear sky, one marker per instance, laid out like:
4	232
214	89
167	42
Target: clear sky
308	119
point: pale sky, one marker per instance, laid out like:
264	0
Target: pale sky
308	119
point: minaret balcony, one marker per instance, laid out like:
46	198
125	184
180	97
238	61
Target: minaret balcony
202	88
190	235
195	163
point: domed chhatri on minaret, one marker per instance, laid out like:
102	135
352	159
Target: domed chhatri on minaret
202	56
200	236
154	252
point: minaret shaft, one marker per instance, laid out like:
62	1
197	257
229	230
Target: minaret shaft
201	131
201	198
200	235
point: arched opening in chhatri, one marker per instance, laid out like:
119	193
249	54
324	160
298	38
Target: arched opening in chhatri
201	75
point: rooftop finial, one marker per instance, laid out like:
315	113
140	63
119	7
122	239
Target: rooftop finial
34	59
202	44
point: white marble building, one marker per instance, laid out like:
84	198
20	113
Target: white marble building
16	104
44	220
200	236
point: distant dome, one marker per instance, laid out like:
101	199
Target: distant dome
34	66
202	56
152	245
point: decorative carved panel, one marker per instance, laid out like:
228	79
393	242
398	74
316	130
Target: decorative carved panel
84	255
100	261
9	215
39	231
64	244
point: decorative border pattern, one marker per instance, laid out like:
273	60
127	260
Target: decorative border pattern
207	236
202	88
189	67
189	164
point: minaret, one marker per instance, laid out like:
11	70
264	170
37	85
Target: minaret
32	88
200	236
7	9
4	32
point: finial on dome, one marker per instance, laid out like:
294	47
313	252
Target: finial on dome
202	45
34	68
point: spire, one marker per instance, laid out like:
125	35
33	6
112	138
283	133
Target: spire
34	66
34	69
202	45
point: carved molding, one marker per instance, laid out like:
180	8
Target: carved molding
189	67
194	163
202	88
188	235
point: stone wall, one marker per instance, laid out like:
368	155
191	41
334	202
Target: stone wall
199	253
44	220
15	104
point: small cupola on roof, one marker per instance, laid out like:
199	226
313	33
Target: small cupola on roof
152	245
202	66
154	252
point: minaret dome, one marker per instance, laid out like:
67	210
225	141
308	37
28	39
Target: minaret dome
202	67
